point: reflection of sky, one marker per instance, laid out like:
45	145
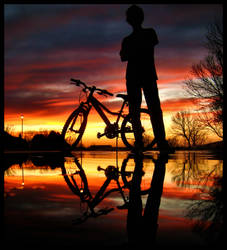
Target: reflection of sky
46	199
35	175
46	45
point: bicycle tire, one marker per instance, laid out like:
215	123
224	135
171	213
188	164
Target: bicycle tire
74	137
75	184
126	175
126	129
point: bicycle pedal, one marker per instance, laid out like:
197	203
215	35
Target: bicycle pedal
99	135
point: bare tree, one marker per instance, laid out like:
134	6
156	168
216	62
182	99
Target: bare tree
211	122
188	127
207	79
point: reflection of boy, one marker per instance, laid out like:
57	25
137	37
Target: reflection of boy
138	50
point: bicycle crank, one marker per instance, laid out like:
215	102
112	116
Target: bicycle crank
111	131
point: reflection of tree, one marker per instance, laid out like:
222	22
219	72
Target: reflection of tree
195	170
12	159
208	212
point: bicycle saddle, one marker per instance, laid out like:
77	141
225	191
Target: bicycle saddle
125	97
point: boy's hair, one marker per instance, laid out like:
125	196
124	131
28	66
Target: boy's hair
135	13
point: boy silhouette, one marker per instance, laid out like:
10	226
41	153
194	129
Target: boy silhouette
138	50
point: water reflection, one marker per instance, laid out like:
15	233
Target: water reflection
195	170
206	210
135	189
142	225
78	183
207	213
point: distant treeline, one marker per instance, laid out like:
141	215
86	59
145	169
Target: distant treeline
54	141
51	141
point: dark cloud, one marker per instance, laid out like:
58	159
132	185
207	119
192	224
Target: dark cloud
46	45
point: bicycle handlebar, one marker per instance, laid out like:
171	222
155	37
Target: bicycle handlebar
103	91
99	91
94	214
78	83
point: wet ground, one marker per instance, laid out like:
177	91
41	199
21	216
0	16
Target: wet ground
116	201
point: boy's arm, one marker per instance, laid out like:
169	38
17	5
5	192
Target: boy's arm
155	37
123	52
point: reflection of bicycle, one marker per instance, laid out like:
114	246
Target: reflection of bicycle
77	182
76	179
75	125
146	165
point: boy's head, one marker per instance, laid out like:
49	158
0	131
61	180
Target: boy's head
134	15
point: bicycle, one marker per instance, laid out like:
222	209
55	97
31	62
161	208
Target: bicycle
78	184
75	125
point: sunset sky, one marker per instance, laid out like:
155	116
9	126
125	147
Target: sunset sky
46	45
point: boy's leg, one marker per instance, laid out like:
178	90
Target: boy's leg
135	99
154	106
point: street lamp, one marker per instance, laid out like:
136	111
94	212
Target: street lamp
22	119
22	175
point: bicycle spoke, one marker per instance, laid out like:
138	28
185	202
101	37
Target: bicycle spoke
75	131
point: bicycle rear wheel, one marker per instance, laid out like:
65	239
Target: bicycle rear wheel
128	170
74	127
127	133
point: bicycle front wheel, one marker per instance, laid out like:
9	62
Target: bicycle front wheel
127	132
74	127
76	179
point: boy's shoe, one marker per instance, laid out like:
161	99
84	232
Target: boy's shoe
124	206
151	145
164	147
138	148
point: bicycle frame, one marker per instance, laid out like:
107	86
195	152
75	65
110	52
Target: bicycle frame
99	107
